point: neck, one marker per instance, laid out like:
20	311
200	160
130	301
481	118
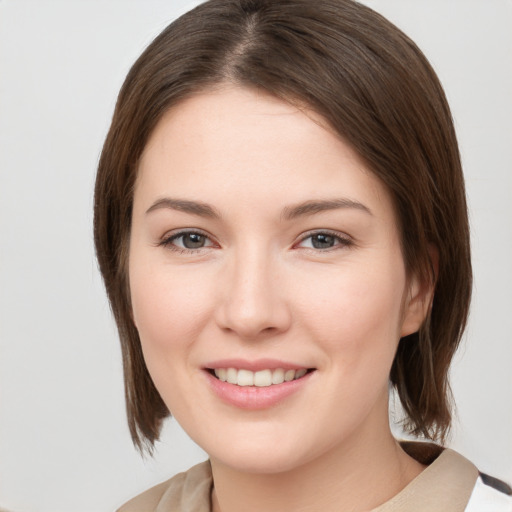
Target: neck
353	479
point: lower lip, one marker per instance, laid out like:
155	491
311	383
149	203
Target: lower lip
254	397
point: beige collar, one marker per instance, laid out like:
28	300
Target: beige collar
445	485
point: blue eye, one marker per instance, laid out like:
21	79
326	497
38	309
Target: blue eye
192	240
187	241
323	240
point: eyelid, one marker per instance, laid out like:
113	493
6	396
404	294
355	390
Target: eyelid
343	239
167	240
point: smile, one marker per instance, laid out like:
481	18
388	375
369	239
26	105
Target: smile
267	384
262	378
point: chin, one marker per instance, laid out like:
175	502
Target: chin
270	454
263	462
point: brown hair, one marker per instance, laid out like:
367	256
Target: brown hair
377	90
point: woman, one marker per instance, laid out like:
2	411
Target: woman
281	225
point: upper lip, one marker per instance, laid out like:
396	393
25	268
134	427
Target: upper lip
255	365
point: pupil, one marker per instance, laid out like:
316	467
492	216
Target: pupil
193	241
323	241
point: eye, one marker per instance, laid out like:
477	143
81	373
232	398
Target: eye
187	241
324	240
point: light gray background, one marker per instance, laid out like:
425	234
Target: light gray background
64	445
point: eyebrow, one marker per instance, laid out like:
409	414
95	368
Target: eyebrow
184	205
305	208
316	206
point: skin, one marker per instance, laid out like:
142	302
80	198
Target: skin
259	288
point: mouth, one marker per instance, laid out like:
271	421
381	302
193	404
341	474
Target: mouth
262	378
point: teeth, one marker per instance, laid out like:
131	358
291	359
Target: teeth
231	376
278	376
245	378
300	373
289	375
221	374
262	378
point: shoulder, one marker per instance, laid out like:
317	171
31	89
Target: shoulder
457	483
148	500
189	490
490	495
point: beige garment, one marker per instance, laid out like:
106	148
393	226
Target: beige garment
444	486
185	492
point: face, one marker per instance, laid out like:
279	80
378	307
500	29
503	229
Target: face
267	281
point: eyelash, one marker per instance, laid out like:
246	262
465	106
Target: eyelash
168	242
341	241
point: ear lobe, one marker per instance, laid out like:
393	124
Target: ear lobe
419	298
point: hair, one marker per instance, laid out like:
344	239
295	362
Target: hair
379	93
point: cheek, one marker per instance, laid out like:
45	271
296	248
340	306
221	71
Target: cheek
169	312
168	308
357	318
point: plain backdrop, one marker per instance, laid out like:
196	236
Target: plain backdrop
64	443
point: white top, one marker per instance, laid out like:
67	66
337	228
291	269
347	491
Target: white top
485	498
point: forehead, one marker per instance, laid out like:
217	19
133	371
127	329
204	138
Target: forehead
235	120
240	144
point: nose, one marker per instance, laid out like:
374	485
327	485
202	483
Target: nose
253	299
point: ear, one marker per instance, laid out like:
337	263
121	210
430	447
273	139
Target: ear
419	297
